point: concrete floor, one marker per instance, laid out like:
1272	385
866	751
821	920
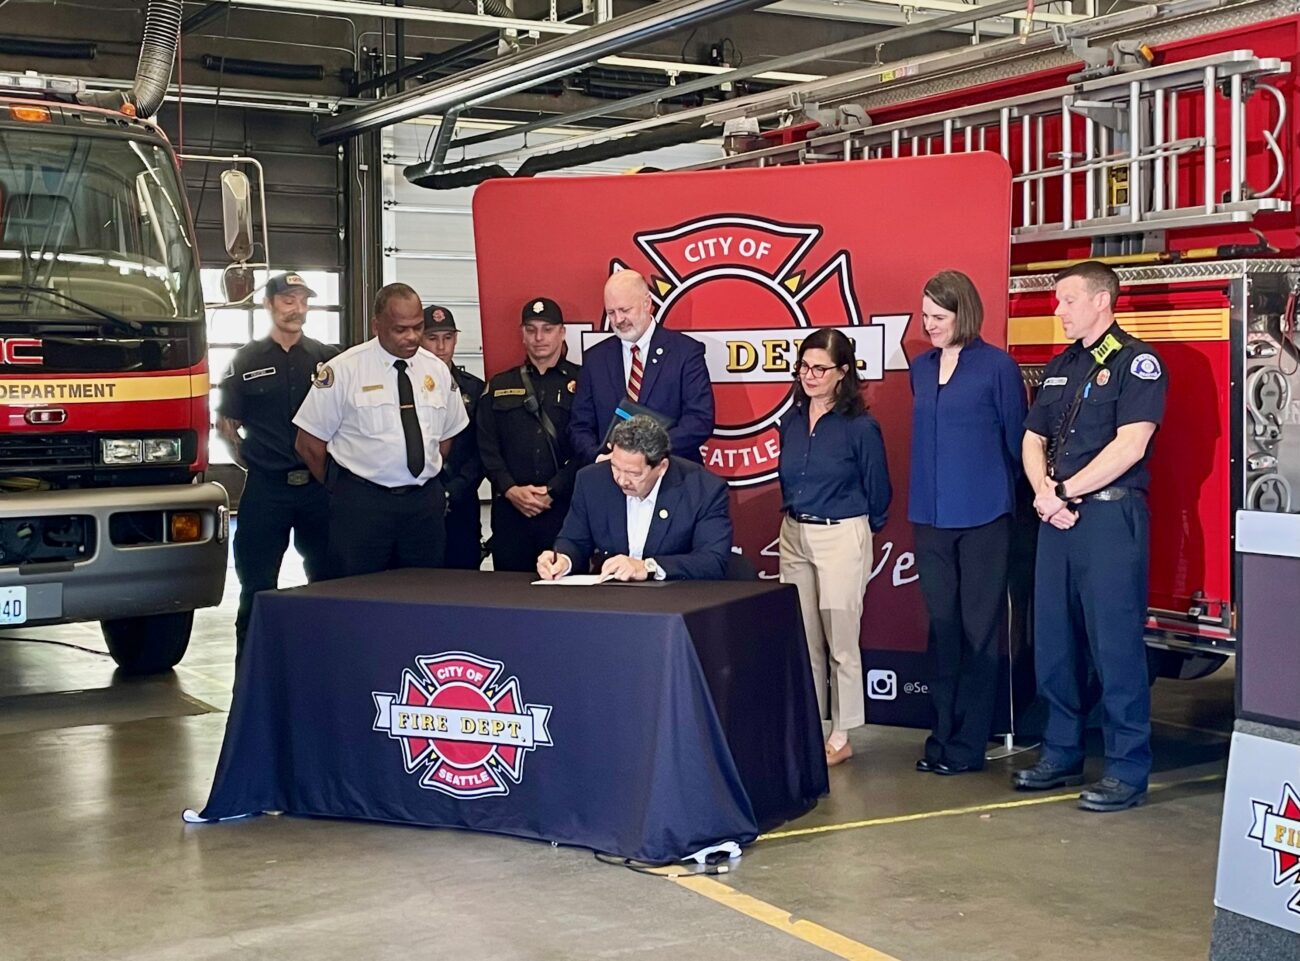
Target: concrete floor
95	861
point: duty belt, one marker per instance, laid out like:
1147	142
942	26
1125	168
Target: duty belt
404	489
299	477
1112	494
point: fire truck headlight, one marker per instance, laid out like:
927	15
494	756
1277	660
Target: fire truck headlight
121	450
162	450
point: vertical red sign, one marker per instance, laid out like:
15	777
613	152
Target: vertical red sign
746	261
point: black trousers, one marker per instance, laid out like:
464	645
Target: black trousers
517	540
964	582
1090	603
269	510
375	529
464	535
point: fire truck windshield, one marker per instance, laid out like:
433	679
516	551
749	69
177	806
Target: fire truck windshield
93	226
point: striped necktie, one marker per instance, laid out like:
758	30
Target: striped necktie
634	379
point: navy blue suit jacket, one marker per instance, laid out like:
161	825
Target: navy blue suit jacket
675	384
692	542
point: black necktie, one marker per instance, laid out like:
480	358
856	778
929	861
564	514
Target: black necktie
410	421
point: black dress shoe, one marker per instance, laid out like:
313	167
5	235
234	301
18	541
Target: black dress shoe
951	767
1111	794
1045	775
926	766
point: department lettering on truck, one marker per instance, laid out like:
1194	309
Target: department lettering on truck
56	390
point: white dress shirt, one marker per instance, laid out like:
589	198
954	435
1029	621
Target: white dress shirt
644	344
640	511
353	407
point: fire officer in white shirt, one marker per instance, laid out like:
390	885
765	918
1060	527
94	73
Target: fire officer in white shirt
375	429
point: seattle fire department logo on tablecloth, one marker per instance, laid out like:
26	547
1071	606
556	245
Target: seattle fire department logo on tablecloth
746	287
1277	829
461	726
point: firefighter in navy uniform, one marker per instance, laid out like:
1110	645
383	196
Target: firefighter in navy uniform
1087	444
264	385
463	471
523	441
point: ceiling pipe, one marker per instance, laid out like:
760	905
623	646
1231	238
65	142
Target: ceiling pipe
363	8
547	61
828	52
707	119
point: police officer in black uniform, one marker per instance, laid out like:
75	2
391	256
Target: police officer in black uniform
523	441
263	387
463	472
1087	443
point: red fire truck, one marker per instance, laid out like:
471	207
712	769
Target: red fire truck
104	511
1162	141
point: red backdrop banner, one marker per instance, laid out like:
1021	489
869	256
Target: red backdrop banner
745	261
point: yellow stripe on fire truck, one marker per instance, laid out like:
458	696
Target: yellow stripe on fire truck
97	390
1149	325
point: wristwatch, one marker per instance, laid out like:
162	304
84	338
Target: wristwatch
654	570
1059	491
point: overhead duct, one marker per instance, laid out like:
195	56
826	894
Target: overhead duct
262	68
422	176
455	179
53	49
544	62
162	27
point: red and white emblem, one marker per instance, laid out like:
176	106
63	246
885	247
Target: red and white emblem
1277	829
743	286
465	729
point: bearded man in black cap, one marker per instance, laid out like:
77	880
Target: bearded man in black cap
462	471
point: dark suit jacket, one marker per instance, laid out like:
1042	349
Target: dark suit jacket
693	542
675	383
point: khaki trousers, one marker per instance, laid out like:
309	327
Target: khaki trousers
830	564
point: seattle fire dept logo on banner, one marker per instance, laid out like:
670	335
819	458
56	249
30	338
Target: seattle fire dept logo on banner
468	730
1277	829
742	286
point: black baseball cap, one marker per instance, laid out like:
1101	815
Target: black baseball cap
282	283
542	308
438	318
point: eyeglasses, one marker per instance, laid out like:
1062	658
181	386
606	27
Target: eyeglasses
816	371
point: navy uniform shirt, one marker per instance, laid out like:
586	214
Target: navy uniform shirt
263	388
512	442
1118	381
463	472
837	471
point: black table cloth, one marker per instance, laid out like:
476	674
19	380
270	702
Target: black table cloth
646	721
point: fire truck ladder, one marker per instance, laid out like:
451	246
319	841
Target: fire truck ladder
1139	171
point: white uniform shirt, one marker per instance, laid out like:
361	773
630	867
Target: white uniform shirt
640	511
644	344
352	406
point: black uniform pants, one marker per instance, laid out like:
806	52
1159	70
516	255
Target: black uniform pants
269	510
963	575
464	534
375	529
517	540
1090	603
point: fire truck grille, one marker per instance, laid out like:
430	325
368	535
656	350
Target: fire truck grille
35	452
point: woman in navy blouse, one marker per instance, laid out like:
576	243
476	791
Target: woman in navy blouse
968	412
834	493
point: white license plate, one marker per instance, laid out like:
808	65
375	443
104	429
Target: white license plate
13	605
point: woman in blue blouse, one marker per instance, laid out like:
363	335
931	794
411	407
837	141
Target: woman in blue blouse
968	413
834	493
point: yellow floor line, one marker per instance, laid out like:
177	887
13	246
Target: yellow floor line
771	915
1222	735
953	812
